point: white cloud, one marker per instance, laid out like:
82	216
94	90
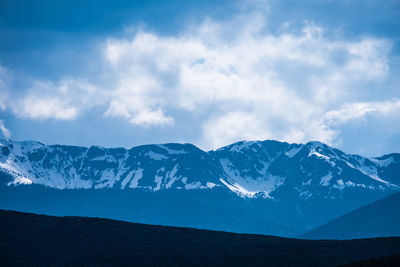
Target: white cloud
47	100
235	126
138	100
359	110
37	107
368	59
260	85
4	131
287	86
4	80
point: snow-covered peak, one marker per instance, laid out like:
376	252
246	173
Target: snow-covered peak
242	146
293	150
170	149
247	168
387	160
239	146
314	144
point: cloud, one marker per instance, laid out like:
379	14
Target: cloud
37	107
4	131
43	100
4	80
234	125
138	114
260	85
358	111
242	80
137	99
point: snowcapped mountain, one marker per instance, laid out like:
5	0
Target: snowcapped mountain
312	182
250	169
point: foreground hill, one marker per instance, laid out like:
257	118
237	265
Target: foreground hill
388	261
265	187
381	218
29	239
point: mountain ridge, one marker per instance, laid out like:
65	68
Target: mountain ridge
309	183
167	149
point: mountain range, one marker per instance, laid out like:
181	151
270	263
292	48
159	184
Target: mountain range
266	187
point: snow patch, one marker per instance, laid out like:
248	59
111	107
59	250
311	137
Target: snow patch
194	185
326	179
107	178
339	184
370	171
20	180
293	152
172	151
156	156
210	185
171	176
136	178
384	162
107	158
158	181
127	179
250	186
241	145
305	194
319	155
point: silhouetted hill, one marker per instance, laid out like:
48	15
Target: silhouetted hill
381	218
388	261
29	239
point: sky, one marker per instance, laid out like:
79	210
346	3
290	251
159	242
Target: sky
126	73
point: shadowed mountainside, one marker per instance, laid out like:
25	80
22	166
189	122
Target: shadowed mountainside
381	218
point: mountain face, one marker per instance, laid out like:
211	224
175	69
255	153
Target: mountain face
381	218
297	186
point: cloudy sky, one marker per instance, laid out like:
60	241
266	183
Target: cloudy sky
124	73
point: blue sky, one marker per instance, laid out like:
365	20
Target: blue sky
124	73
